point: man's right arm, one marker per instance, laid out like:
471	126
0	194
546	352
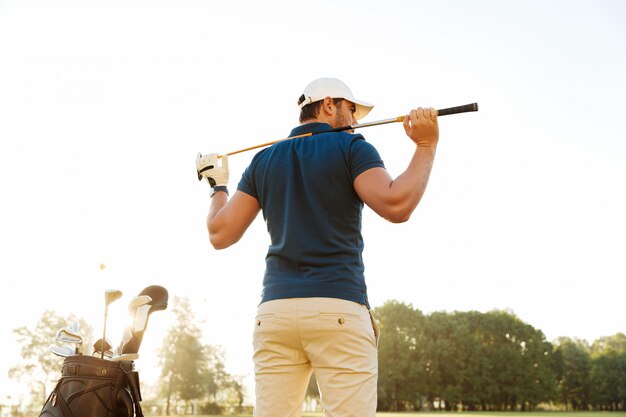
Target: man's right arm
395	200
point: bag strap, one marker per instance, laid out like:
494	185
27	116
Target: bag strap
55	398
65	409
135	392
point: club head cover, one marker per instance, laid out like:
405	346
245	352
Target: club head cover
159	297
158	301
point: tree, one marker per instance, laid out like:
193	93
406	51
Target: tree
475	380
191	371
491	362
442	360
469	360
574	365
458	367
40	367
401	372
608	373
520	364
615	343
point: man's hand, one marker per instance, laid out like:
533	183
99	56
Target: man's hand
421	126
209	168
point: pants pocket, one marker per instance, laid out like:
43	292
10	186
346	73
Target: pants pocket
376	327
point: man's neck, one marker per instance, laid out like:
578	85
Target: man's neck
316	120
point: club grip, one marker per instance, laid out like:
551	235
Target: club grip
458	109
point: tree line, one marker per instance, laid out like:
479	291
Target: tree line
443	361
492	362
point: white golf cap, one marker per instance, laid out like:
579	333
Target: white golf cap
333	88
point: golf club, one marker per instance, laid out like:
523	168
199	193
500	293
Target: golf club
62	351
75	327
101	383
102	346
109	297
66	335
441	112
158	301
135	303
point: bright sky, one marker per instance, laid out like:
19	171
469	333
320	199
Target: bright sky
105	104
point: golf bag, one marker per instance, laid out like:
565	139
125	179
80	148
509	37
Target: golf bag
94	387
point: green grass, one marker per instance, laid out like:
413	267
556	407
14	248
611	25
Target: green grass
495	414
500	414
479	414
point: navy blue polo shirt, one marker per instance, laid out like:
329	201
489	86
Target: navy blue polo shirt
313	215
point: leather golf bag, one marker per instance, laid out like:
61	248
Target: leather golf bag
94	387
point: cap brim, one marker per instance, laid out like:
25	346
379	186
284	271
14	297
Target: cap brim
362	109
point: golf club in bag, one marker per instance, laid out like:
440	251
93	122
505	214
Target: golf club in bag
99	385
94	387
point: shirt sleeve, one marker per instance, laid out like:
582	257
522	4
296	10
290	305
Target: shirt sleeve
246	185
363	156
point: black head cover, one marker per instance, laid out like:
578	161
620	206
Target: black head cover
159	297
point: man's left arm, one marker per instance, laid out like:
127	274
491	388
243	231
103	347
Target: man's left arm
228	219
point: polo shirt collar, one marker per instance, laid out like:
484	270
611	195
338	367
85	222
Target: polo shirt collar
310	128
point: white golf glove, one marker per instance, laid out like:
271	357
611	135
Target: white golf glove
208	167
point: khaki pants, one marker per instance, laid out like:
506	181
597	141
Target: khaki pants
336	339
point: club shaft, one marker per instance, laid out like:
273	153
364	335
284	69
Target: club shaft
441	112
262	145
104	329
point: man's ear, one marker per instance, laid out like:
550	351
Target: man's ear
328	107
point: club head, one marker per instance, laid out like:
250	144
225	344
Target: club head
70	349
101	346
66	335
141	317
112	295
125	340
138	301
62	351
109	297
135	303
75	327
